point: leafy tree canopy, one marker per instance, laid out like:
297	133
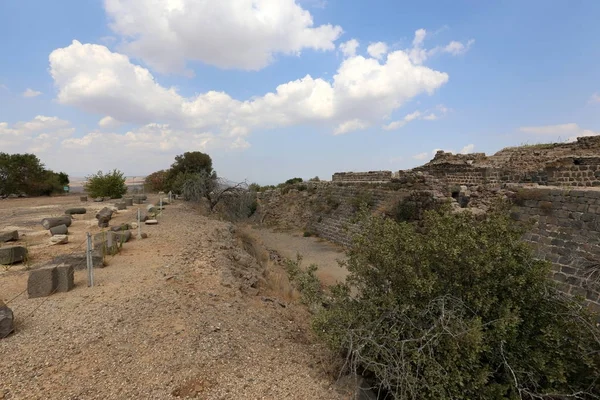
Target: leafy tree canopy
25	173
111	184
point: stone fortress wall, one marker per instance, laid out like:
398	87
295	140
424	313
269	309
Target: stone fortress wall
557	186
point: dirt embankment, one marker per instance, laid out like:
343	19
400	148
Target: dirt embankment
180	314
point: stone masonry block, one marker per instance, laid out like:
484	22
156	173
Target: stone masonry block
9	236
12	254
79	260
65	275
42	282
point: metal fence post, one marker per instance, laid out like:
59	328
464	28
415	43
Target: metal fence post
90	263
139	219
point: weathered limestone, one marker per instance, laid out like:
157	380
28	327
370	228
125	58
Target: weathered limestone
79	260
123	236
129	202
83	198
122	227
7	323
76	210
151	208
106	243
99	199
48	223
9	236
151	222
121	206
65	278
42	282
103	216
12	254
59	239
59	230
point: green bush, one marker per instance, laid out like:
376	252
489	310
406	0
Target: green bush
110	185
294	181
459	308
362	199
306	282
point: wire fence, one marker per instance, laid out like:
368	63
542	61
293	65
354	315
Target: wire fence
88	259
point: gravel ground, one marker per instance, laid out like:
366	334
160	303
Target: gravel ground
177	315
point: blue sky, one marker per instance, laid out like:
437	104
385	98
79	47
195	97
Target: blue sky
275	89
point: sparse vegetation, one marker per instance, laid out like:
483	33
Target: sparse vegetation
306	282
362	199
294	181
522	195
413	207
458	309
111	184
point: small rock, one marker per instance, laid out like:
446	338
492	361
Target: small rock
59	239
151	222
7	325
12	254
8	236
59	230
76	210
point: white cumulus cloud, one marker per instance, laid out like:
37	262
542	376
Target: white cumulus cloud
569	132
31	93
595	98
103	82
35	136
377	50
244	34
349	48
108	122
419	54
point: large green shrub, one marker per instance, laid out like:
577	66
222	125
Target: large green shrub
111	184
458	308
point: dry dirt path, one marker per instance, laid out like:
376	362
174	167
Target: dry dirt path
313	251
166	320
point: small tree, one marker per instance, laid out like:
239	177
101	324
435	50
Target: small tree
237	199
156	181
458	308
190	162
110	185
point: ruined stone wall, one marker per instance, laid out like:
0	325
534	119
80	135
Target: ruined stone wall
329	209
566	233
371	176
584	171
566	230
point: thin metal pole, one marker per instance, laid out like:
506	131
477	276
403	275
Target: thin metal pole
160	206
139	215
90	263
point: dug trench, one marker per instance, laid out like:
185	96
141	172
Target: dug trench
195	310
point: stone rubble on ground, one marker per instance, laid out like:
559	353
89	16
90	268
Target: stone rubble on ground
59	239
9	236
7	323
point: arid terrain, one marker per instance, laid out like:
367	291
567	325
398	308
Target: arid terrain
186	313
